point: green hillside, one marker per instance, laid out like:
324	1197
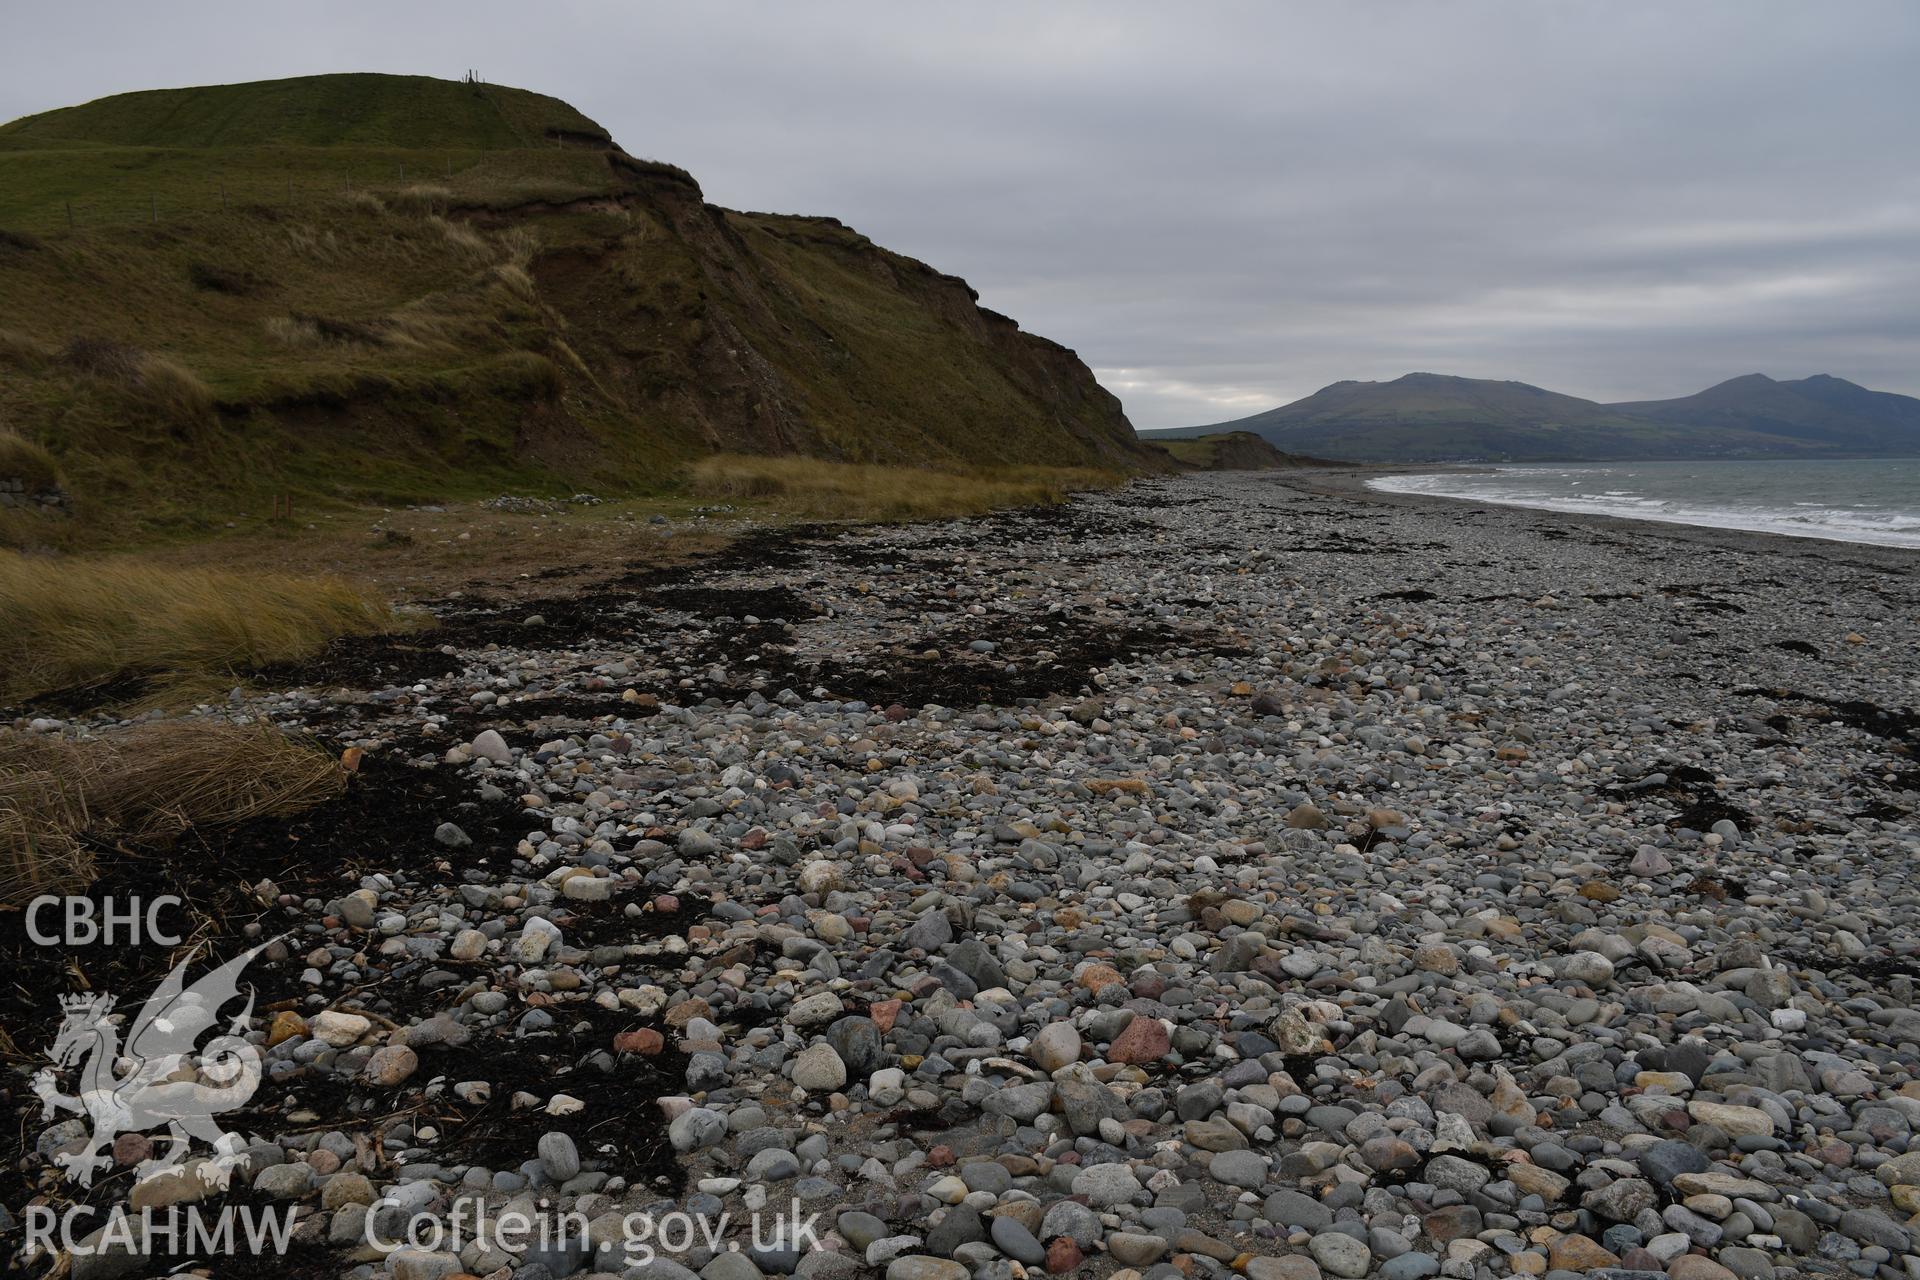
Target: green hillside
377	324
357	110
1231	451
1441	398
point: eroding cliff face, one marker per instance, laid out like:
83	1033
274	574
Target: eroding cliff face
765	333
435	343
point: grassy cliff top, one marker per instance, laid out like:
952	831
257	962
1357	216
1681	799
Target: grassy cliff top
355	110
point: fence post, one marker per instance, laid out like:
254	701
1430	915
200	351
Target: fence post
289	188
223	197
153	208
403	169
69	215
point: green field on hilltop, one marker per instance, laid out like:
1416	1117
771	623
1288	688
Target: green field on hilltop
354	110
167	153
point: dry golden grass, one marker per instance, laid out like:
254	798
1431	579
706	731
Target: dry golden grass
173	390
847	491
142	787
318	245
461	236
155	384
516	280
518	245
23	349
22	459
82	624
423	197
439	320
465	548
37	855
294	331
422	326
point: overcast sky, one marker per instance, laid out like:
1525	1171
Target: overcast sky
1225	206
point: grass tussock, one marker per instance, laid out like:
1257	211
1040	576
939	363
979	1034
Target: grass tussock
517	282
158	384
37	855
316	244
518	246
294	331
298	329
848	491
83	625
103	358
522	375
210	277
417	328
172	390
423	198
461	236
21	459
22	349
144	786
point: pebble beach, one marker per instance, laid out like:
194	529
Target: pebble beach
1241	873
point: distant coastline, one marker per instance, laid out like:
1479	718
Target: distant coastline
1873	502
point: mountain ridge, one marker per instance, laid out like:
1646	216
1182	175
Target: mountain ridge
1428	417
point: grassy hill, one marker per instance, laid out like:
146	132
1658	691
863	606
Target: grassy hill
293	291
1232	451
1434	417
361	110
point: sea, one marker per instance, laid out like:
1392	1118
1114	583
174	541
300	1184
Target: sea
1856	500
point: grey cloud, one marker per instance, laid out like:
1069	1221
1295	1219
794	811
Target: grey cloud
1227	205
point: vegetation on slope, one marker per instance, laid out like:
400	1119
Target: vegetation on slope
846	491
543	320
27	464
80	626
1232	451
61	799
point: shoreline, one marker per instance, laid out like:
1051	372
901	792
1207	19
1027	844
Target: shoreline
1351	483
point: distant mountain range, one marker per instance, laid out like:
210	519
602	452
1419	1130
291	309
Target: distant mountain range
1431	417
